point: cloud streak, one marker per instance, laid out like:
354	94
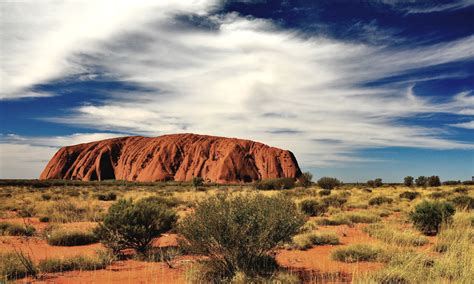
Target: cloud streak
244	77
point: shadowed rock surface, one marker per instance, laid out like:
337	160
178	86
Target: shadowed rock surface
177	157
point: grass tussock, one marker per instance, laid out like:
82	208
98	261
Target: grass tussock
71	238
79	262
357	252
454	265
395	236
308	240
14	229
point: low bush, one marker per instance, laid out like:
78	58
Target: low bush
44	219
334	221
375	183
275	184
305	179
324	192
451	182
334	201
197	181
239	232
380	200
78	262
461	190
328	182
108	196
71	238
361	217
46	196
429	216
356	253
463	202
312	207
134	225
410	195
439	194
14	229
394	236
408	181
308	240
16	265
468	182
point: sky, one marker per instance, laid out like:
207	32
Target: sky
355	89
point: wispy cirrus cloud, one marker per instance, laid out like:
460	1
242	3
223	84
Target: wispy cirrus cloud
228	75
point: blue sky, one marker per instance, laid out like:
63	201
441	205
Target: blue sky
356	89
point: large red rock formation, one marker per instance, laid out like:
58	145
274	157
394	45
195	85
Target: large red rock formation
177	157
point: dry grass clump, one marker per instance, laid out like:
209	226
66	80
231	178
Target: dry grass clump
395	236
358	252
71	238
308	240
14	229
454	265
79	262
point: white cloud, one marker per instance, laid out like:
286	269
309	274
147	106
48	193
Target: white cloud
243	78
467	125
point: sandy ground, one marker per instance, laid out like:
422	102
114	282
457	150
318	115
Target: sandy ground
314	263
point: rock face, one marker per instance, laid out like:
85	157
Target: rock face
177	157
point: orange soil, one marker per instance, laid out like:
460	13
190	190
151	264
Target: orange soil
129	271
319	258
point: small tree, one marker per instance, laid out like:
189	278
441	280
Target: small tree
239	232
434	181
421	181
328	182
408	181
197	181
134	225
305	179
312	207
371	183
429	216
378	182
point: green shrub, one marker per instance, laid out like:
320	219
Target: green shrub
308	240
334	201
275	184
463	202
16	265
71	238
375	183
461	190
334	221
392	235
421	181
380	200
360	217
328	182
305	179
197	181
44	219
410	195
324	192
238	233
434	181
168	201
429	216
439	194
134	225
356	253
14	229
46	196
451	182
109	196
312	207
408	181
78	262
